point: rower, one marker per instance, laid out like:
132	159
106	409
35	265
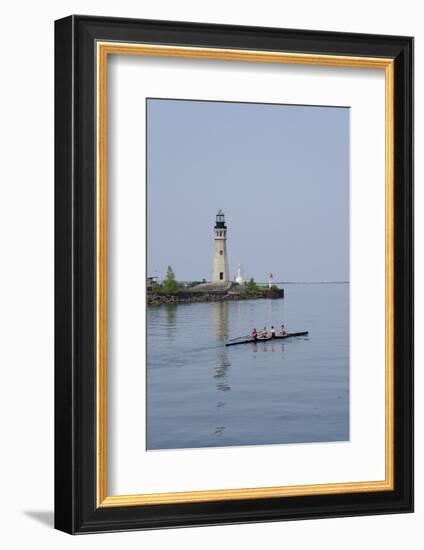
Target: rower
272	332
283	330
254	335
264	333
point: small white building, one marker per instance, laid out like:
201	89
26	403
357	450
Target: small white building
239	277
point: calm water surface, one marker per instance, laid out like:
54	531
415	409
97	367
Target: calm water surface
202	394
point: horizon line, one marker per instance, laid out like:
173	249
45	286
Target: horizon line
284	282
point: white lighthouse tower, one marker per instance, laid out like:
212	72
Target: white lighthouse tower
220	259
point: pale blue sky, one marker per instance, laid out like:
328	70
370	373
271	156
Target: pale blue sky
279	172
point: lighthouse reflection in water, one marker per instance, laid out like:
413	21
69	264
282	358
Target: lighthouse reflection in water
203	394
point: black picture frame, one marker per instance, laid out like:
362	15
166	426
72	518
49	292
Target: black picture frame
76	510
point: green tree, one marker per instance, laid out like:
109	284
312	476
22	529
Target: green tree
156	288
252	287
170	285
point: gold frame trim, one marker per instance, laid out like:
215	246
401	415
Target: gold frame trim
104	49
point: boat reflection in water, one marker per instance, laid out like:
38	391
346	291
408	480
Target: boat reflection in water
273	345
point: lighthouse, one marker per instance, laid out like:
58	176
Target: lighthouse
220	258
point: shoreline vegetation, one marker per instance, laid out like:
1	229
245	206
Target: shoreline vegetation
170	291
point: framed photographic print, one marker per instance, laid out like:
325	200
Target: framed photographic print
234	274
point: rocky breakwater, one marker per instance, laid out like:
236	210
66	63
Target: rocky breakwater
209	292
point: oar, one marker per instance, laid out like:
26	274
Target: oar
238	338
